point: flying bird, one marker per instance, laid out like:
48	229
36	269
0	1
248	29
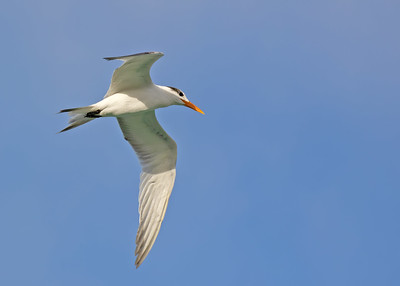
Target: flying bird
132	98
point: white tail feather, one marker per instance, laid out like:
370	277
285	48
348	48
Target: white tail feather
77	116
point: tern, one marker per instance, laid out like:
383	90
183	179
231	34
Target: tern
132	98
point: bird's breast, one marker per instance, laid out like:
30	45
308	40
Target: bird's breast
121	103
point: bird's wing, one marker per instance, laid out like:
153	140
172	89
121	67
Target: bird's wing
157	155
133	73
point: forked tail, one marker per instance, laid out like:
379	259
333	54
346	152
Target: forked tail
80	115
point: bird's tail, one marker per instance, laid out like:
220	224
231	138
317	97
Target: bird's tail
80	115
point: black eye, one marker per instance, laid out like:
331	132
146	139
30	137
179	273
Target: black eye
180	93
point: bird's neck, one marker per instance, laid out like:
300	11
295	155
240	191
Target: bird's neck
166	96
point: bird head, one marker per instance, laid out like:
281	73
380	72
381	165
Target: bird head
181	99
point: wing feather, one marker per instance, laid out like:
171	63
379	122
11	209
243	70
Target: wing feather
133	73
157	154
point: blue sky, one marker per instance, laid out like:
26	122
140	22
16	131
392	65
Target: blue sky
291	177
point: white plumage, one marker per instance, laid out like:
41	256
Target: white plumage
132	98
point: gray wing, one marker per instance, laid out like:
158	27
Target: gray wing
157	153
133	73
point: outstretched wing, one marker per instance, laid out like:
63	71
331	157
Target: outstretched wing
157	154
133	73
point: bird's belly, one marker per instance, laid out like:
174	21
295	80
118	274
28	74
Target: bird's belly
120	104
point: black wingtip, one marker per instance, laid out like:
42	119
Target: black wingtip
139	54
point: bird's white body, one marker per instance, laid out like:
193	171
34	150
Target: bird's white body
136	100
132	98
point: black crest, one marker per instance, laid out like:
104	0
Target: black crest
177	90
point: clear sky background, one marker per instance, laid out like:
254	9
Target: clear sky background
291	177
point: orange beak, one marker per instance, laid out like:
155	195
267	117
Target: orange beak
192	106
